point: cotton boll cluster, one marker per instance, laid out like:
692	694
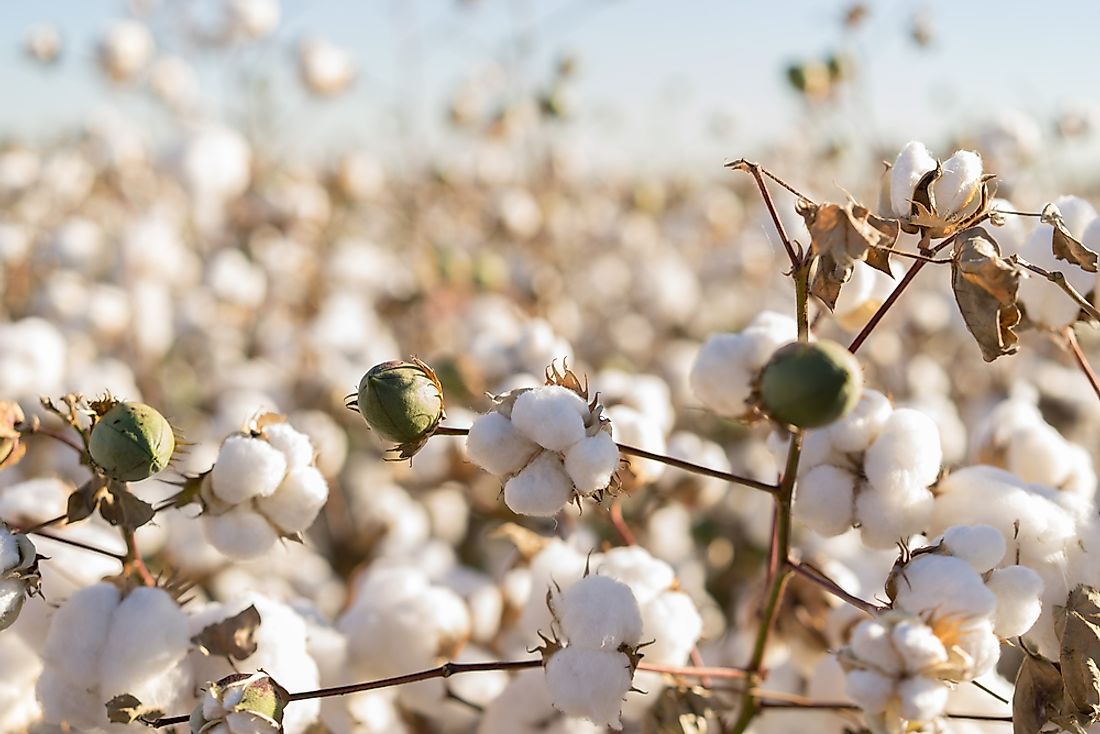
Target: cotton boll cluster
548	445
104	642
727	364
263	486
1045	303
954	188
872	469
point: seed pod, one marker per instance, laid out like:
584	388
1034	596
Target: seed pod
810	385
402	401
131	442
241	703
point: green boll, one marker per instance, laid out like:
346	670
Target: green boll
402	401
131	442
809	385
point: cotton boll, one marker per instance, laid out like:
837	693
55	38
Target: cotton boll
673	623
858	430
124	49
557	564
247	467
589	683
295	446
591	461
956	188
823	499
722	374
922	699
982	546
541	489
295	504
944	584
869	690
78	632
599	612
1018	590
551	416
524	707
634	566
496	446
1044	301
630	427
325	68
872	644
906	453
886	518
240	533
912	164
668	533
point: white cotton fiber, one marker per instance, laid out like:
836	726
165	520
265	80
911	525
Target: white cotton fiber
245	468
917	645
1018	590
1038	454
721	375
295	504
906	454
823	499
673	623
887	518
634	566
945	584
599	612
9	550
957	185
551	416
78	631
240	533
912	164
589	683
148	637
591	461
922	699
541	489
870	690
982	546
872	644
295	446
496	446
857	430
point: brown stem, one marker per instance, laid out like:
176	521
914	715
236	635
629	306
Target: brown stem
132	561
771	703
696	671
46	523
1059	280
755	169
812	574
77	544
1082	362
619	522
38	430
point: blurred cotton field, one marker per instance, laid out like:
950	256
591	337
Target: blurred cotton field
600	515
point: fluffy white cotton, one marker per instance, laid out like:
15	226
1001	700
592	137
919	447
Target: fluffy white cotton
295	504
1038	454
295	446
673	623
245	468
869	690
913	163
922	699
824	497
872	643
887	517
77	634
906	455
551	416
240	533
943	584
591	461
634	566
9	550
496	446
633	428
917	645
589	683
1018	590
599	612
956	188
524	707
982	546
541	489
858	430
1044	301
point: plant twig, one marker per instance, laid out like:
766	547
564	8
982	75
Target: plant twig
46	523
1059	280
755	170
619	523
120	557
1082	362
695	671
37	430
132	561
812	574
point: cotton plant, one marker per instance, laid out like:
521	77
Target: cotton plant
550	445
1045	303
264	485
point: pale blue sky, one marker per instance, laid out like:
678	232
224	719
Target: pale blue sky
653	72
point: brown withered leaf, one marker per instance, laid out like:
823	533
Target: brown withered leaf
841	236
985	286
1078	627
127	708
83	501
11	447
1064	245
121	508
1039	695
232	638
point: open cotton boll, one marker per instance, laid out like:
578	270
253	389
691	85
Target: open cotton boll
634	566
1038	454
957	186
823	499
78	632
524	707
944	585
245	468
982	546
922	699
551	416
1018	590
906	453
9	550
913	163
673	623
873	644
858	430
1045	302
599	612
591	461
721	375
887	517
496	446
589	683
869	690
918	646
635	429
240	533
295	446
294	506
541	489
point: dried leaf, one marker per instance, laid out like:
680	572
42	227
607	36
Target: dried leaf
1078	627
985	286
527	542
841	236
1038	696
121	508
11	448
126	709
84	501
1064	245
233	638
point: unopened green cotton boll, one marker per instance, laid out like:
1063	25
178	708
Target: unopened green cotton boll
402	401
131	442
810	384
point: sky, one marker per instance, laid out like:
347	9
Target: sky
654	75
